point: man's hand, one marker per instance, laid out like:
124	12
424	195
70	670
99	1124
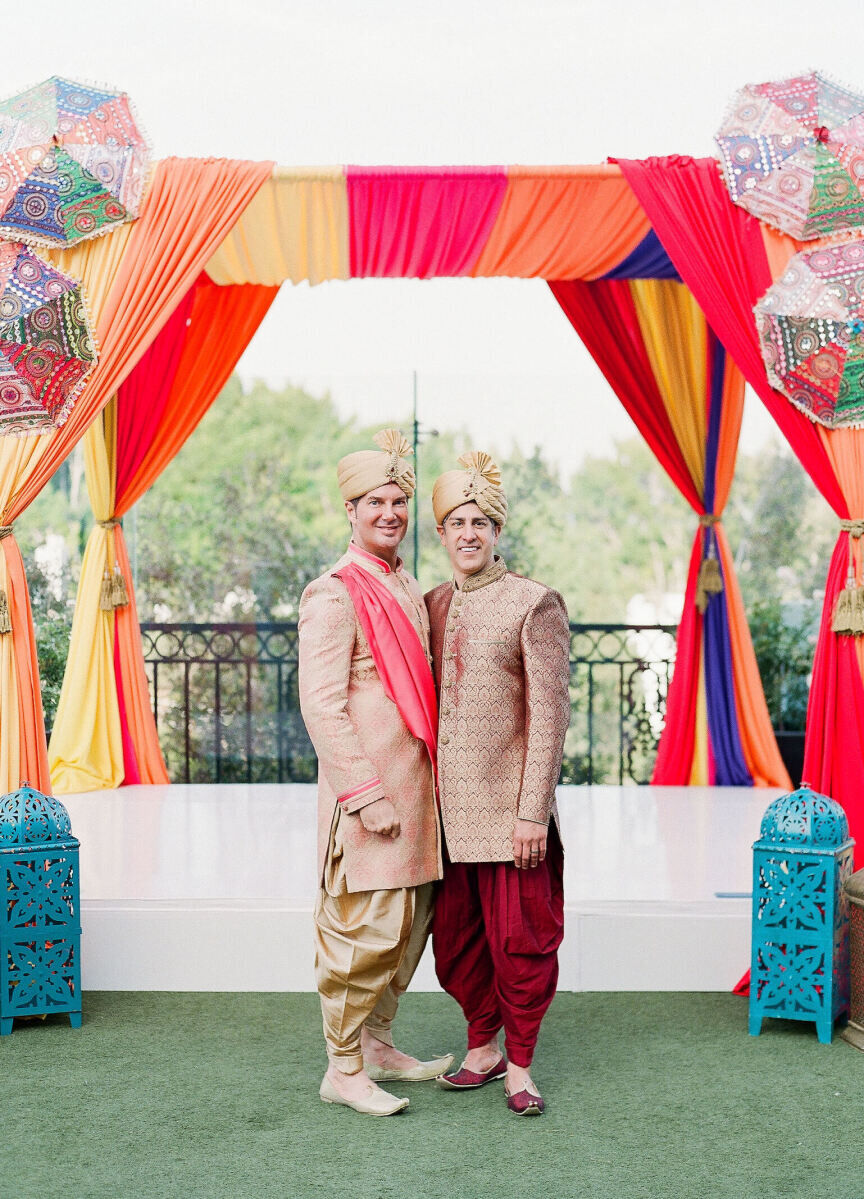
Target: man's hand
380	817
529	843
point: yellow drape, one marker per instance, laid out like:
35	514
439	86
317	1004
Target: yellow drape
91	660
89	692
674	331
296	228
699	773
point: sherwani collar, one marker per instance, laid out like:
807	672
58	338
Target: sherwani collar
376	566
496	570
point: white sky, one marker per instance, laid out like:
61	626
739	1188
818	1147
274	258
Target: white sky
458	82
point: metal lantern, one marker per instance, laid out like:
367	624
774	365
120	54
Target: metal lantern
800	947
40	925
854	1030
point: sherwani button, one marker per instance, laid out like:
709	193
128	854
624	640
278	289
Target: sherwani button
443	739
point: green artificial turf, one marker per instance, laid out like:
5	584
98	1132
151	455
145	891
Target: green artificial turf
212	1095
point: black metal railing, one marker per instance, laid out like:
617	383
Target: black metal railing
227	710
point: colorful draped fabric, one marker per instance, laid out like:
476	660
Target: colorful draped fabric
423	222
248	226
105	733
132	284
685	396
724	257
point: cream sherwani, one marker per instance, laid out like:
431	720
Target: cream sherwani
375	899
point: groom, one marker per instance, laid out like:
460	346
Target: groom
501	646
368	700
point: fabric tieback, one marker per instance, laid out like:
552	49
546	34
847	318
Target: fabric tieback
112	592
848	617
5	619
709	581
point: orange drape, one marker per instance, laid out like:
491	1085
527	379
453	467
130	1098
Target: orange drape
563	223
189	208
207	361
203	369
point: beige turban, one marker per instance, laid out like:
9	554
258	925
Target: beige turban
367	469
479	483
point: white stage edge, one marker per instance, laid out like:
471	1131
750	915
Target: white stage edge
210	888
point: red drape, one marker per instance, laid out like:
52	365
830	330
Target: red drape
719	252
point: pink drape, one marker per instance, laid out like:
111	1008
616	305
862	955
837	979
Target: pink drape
421	222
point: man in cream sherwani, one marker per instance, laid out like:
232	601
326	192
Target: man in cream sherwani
379	845
500	645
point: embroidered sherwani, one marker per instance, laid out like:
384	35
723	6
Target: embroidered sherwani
500	646
374	903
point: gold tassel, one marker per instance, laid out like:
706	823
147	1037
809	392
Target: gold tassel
857	614
119	597
105	603
5	622
709	582
848	618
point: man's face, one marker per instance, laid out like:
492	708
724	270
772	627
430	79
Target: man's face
379	520
469	537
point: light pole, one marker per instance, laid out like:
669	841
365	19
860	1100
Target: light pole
418	433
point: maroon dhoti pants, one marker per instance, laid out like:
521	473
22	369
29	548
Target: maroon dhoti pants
495	936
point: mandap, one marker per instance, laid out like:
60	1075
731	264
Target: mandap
654	267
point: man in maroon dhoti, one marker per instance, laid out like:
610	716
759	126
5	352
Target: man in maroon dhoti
500	647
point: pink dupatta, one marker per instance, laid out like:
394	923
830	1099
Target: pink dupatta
398	654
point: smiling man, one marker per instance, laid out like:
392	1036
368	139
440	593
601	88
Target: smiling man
368	700
500	646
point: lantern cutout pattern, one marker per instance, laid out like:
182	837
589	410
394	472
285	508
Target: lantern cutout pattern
40	933
800	942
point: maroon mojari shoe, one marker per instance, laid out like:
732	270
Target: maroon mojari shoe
467	1080
525	1103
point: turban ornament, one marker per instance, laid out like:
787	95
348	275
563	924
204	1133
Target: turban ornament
365	470
478	483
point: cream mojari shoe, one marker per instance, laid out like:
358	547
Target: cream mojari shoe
375	1103
422	1072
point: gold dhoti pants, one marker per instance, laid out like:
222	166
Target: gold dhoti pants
367	946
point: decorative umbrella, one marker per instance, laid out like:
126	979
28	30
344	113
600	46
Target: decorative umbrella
793	154
46	345
811	326
72	163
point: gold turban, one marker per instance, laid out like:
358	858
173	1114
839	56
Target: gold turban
367	469
479	483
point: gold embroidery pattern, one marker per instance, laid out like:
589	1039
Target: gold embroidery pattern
501	653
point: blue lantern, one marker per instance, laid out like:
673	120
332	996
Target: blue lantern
40	924
800	949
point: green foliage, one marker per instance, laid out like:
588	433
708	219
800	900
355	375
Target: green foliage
248	512
784	648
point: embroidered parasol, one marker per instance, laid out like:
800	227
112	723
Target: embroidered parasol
811	327
47	348
792	153
73	163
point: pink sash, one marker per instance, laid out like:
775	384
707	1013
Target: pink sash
397	652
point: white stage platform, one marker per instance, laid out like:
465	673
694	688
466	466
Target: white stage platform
205	888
